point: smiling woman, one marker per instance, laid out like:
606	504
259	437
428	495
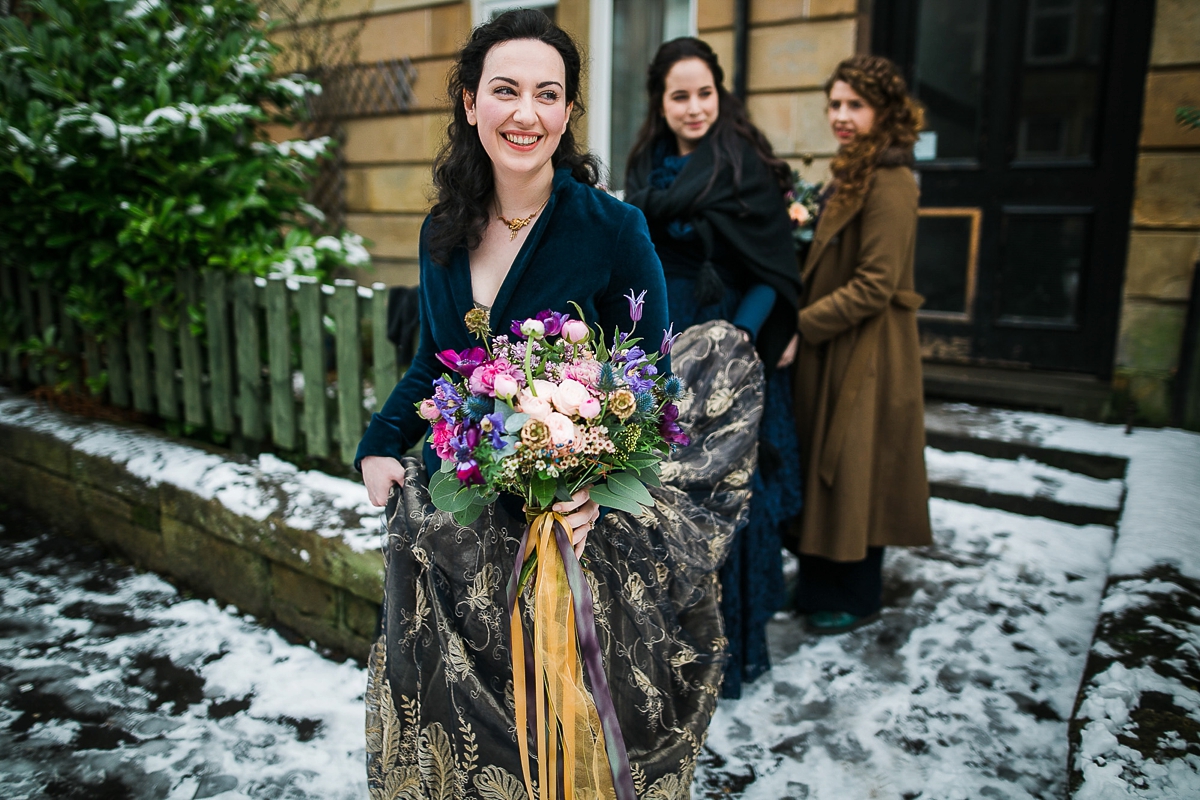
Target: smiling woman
520	233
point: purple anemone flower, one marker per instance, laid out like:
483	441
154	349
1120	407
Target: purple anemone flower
463	363
552	320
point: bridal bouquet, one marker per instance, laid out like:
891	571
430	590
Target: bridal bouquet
549	408
803	205
542	411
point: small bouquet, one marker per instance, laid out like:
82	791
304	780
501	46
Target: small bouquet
550	408
803	205
542	411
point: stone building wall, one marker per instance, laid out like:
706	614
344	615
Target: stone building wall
1164	243
793	47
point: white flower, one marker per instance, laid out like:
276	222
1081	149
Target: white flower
331	243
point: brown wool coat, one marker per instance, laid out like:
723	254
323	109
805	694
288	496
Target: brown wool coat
859	397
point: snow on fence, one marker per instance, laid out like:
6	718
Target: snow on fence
281	360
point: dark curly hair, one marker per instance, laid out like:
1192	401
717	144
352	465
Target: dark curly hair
462	170
732	119
898	119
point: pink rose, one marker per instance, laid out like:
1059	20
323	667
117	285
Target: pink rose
568	395
586	372
483	379
798	213
537	406
505	386
429	410
590	408
562	430
443	432
575	331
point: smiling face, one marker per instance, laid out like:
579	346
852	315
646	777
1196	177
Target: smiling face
690	102
520	108
849	114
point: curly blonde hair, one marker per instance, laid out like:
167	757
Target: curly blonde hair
898	119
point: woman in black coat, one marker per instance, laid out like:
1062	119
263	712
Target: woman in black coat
712	192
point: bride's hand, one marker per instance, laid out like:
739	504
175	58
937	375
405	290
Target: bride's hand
581	513
379	473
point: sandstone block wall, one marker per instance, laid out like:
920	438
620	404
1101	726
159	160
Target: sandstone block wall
793	47
1164	243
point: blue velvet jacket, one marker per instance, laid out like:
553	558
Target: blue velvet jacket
585	246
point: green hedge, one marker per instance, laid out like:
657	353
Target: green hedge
131	145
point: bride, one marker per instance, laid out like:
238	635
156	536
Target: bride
519	227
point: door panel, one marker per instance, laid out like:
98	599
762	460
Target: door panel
1029	130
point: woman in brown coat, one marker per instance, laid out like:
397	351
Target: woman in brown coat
859	407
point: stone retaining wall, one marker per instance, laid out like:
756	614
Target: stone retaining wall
311	581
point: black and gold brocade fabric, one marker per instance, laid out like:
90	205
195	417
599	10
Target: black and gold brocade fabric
440	715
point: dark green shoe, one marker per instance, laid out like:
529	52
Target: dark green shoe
824	623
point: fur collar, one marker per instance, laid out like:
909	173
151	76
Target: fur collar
896	157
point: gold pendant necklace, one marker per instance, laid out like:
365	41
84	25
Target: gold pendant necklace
516	223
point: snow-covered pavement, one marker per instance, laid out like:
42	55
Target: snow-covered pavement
114	686
962	690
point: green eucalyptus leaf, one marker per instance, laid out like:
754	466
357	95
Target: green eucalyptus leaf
609	499
627	485
469	514
543	490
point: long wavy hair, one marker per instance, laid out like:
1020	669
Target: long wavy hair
462	170
898	119
732	120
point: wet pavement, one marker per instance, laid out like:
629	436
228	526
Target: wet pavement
114	685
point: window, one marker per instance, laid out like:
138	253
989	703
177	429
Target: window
625	35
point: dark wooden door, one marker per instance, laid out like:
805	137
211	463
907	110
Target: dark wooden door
1026	167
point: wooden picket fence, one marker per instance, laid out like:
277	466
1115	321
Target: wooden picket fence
242	377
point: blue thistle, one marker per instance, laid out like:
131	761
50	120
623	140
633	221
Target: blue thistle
608	378
479	407
645	402
673	389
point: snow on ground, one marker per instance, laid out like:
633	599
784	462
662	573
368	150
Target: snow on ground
1022	477
962	690
255	488
112	685
1161	520
1140	709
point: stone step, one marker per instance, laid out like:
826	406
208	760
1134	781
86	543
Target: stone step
1023	485
959	427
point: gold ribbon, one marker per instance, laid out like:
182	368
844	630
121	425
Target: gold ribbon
566	718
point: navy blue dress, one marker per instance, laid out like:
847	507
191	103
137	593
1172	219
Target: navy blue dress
752	587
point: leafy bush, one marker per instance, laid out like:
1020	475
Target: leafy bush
132	144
